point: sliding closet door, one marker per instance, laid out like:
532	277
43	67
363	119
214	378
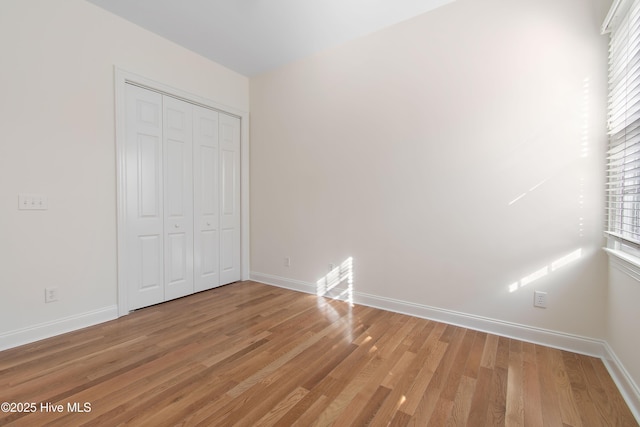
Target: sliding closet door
206	195
178	196
229	199
144	198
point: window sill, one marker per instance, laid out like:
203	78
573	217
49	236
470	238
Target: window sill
627	263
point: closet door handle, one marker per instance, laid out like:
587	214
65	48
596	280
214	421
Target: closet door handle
176	226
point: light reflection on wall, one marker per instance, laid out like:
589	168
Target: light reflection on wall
584	149
583	152
584	140
338	283
532	189
553	266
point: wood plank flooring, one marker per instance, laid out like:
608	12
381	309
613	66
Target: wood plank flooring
249	354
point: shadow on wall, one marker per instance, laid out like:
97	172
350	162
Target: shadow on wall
338	283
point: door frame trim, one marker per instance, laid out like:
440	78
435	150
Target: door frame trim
123	77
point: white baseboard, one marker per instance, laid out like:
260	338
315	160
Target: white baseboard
56	327
559	340
628	388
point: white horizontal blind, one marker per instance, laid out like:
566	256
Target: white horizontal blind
623	159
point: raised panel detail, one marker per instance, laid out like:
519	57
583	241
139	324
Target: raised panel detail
176	176
175	119
178	197
182	176
209	252
227	133
209	185
177	261
229	199
227	238
206	198
148	113
148	175
208	127
228	182
150	262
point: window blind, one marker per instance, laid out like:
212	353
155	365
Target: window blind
623	155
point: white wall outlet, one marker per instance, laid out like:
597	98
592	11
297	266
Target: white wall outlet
331	266
32	202
50	294
540	299
287	261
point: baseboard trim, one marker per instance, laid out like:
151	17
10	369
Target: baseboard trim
56	327
560	340
554	339
628	388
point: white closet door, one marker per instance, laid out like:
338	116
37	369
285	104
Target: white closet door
178	197
144	199
182	201
206	195
229	199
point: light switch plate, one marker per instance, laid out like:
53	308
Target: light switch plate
32	202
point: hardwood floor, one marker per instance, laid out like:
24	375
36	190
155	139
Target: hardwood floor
254	355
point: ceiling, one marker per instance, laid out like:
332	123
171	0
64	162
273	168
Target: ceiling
255	36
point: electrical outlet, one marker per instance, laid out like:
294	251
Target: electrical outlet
331	266
287	261
50	294
540	299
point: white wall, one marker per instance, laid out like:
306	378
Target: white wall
623	320
57	122
407	149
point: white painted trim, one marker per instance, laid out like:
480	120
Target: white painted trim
283	282
245	232
121	185
56	327
560	340
629	265
617	11
123	77
624	262
628	388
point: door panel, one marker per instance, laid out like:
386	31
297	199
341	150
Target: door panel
206	205
182	203
175	169
209	173
144	199
149	185
176	245
209	255
230	198
227	259
228	183
150	263
178	193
